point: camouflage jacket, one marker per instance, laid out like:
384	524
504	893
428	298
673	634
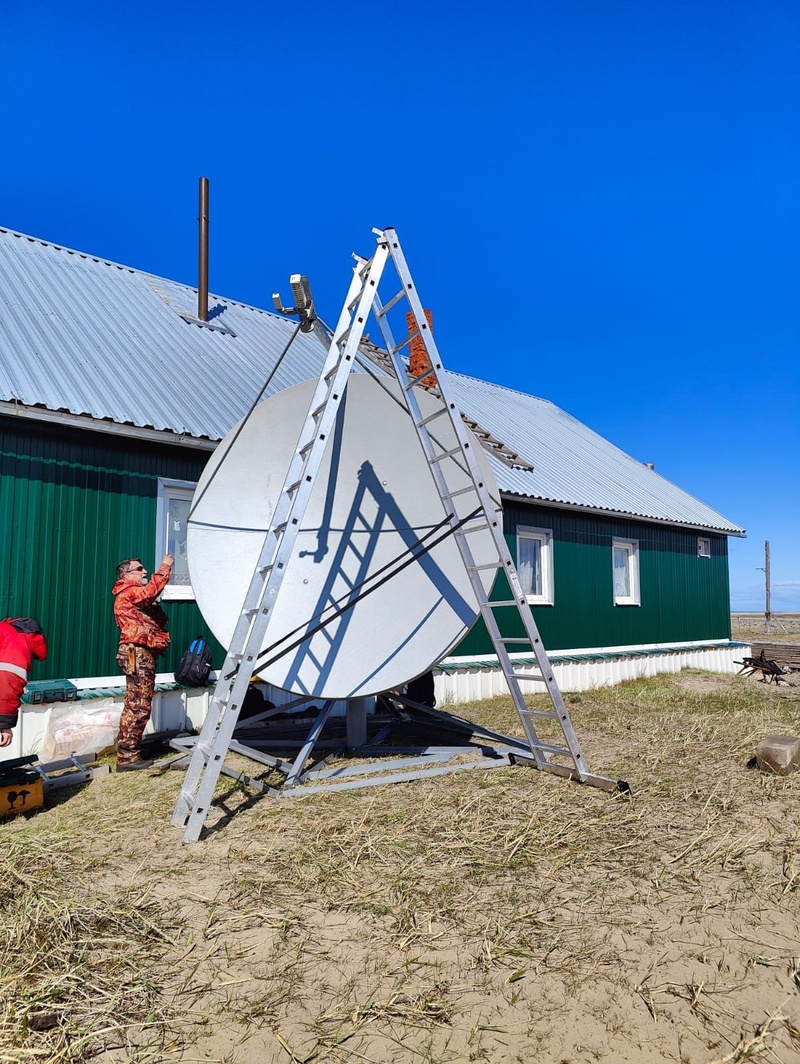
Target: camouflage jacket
139	617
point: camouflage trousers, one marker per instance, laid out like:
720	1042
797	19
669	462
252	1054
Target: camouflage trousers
139	665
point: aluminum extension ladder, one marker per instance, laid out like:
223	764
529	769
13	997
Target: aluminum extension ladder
241	660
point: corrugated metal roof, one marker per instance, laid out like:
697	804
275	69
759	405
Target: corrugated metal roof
91	337
573	466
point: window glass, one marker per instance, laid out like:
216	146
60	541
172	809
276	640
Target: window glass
172	513
530	565
177	516
535	564
625	561
622	576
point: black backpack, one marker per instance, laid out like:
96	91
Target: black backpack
194	667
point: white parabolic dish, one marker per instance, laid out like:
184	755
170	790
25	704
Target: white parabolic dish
373	499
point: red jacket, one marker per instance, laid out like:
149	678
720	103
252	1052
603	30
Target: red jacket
16	651
139	617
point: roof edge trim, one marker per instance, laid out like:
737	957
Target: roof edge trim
739	533
78	421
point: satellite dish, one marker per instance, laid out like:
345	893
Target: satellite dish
373	498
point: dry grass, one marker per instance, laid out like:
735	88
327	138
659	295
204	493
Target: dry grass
486	916
784	627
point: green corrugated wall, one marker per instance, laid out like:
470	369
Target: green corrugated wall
683	597
72	506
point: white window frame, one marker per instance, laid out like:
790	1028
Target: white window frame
167	490
631	547
703	547
544	536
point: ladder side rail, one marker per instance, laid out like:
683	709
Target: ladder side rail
283	514
322	412
223	710
461	536
210	758
291	505
313	441
491	507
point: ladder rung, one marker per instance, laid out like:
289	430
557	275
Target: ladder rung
392	302
505	603
459	491
430	372
445	454
489	565
545	714
432	417
527	676
362	273
555	750
401	345
515	639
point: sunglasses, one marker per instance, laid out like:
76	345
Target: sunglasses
137	569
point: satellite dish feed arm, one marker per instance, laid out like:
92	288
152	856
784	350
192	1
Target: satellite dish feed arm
303	302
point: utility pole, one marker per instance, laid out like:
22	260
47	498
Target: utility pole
768	610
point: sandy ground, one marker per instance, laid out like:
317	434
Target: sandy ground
511	917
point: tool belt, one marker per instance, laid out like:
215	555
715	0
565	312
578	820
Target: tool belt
126	656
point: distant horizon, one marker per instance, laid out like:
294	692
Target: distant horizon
762	613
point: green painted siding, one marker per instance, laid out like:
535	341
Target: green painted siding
683	597
72	506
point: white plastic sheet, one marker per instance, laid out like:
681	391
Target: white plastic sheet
81	728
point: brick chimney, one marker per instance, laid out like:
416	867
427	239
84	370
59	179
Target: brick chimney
418	360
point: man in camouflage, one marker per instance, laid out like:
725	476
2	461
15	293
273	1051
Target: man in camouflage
143	636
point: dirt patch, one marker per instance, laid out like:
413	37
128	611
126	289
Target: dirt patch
494	916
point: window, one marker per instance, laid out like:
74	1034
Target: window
703	547
172	513
625	553
535	564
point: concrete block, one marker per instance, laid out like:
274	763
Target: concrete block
779	754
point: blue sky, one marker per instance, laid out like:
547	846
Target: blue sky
599	202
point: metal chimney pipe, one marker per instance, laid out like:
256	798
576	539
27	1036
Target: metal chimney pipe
202	283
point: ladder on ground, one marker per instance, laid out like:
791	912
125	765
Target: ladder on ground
252	626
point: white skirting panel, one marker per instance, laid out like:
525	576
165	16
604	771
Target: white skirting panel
472	679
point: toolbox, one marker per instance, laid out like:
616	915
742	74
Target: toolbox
39	691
